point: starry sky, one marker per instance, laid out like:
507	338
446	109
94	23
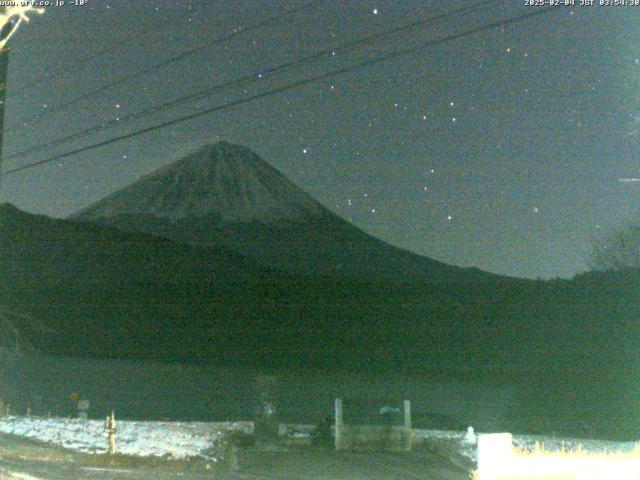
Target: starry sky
509	150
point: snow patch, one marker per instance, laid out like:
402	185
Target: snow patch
181	440
177	440
528	443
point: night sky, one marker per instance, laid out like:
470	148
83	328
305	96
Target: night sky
509	150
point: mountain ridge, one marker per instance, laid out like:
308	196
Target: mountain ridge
226	195
228	181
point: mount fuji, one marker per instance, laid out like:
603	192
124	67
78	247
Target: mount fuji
225	195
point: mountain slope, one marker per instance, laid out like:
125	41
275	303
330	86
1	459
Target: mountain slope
112	293
106	292
223	181
226	195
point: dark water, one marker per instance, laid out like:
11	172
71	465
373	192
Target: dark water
144	390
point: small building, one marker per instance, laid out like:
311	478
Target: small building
372	425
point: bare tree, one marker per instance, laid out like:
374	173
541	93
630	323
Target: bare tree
12	330
617	251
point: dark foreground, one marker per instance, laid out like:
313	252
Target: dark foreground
24	459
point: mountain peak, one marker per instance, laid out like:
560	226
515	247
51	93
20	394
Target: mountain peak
223	180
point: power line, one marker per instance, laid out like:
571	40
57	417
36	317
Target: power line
289	86
176	58
252	77
64	70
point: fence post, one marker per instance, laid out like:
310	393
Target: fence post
407	425
407	414
339	423
110	430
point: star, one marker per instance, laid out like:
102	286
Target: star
375	11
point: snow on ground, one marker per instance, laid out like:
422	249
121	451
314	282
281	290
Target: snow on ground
198	439
171	439
528	442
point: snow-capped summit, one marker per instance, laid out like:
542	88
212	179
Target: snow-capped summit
225	195
225	181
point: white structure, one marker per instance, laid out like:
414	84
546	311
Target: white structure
495	455
470	437
83	409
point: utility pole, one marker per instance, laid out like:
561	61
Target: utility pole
10	19
4	66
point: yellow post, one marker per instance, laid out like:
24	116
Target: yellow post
110	429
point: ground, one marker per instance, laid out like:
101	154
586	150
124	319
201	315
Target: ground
25	459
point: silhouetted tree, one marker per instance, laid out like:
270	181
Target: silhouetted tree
619	250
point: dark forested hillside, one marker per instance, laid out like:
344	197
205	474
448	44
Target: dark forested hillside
112	293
